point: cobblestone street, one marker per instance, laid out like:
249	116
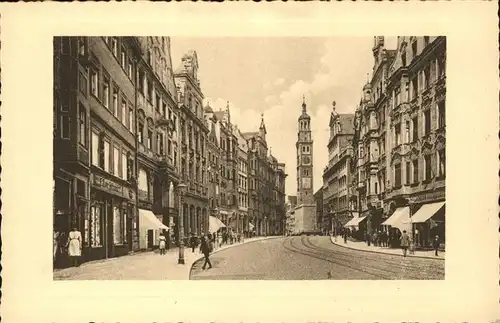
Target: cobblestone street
295	258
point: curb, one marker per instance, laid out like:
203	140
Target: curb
228	247
382	252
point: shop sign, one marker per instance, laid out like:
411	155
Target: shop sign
431	196
108	185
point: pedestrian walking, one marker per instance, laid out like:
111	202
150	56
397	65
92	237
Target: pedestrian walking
192	242
56	244
435	244
74	246
405	242
206	248
162	243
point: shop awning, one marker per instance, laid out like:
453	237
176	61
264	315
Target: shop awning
426	212
149	221
354	221
400	219
214	224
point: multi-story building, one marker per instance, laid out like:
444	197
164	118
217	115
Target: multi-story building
193	153
400	137
305	214
157	149
318	199
337	174
228	209
214	157
279	199
242	215
94	142
290	206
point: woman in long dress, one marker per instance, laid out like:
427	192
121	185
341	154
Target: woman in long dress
162	243
74	246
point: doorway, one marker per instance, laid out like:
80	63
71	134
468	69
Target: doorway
150	239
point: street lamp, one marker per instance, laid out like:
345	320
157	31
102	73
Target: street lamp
181	188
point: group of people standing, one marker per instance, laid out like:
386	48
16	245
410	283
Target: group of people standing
392	239
67	246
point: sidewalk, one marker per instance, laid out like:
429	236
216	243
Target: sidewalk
362	246
141	266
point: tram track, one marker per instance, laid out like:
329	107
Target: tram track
366	263
396	261
288	245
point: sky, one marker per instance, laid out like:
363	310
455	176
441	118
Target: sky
271	75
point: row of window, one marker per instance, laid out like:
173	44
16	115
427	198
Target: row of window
110	157
243	199
412	170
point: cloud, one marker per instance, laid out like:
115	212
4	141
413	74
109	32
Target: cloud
340	77
279	81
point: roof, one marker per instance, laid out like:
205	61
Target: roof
219	114
208	109
248	135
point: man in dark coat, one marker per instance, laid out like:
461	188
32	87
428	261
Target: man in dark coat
206	248
435	244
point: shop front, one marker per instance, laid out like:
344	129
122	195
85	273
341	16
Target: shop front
428	218
110	223
150	228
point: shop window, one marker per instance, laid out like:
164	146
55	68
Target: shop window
428	167
96	225
82	126
415	171
86	225
118	238
397	175
65	127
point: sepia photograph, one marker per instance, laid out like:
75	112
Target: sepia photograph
278	158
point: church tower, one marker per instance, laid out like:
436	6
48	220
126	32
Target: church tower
304	145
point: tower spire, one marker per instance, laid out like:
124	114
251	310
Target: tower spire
304	104
262	127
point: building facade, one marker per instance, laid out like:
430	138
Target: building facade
400	139
157	148
337	176
94	142
242	224
290	206
318	199
305	214
193	153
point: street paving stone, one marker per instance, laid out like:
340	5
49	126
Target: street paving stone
317	258
140	266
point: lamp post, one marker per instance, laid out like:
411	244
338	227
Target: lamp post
181	188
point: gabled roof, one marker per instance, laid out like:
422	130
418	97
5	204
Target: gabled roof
248	135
